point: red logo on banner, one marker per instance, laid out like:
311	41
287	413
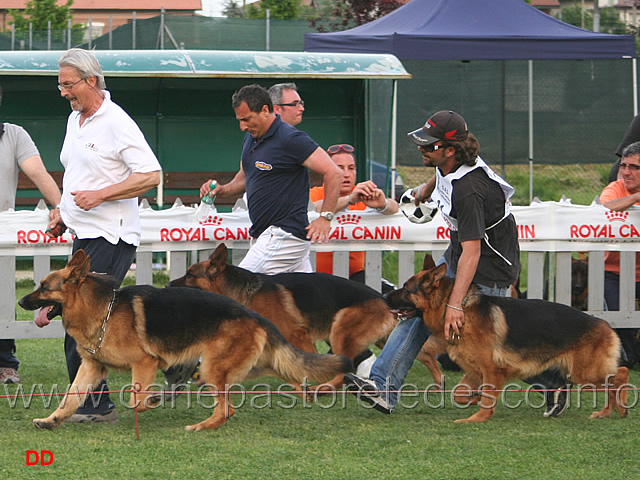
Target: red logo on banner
211	220
607	230
37	236
349	219
614	216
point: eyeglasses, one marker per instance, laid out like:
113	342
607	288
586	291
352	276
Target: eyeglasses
630	166
343	147
295	104
68	86
431	148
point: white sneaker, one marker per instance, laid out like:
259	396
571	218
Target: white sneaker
364	368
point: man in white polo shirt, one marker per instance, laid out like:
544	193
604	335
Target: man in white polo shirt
108	164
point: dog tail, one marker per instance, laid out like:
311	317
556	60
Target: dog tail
294	364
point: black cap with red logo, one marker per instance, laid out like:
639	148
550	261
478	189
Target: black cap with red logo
442	125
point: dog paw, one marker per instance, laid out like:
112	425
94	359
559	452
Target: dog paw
193	428
44	424
600	414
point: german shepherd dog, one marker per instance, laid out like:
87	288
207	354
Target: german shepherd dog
143	328
305	307
506	338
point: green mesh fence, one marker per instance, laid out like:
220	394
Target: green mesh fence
580	108
207	33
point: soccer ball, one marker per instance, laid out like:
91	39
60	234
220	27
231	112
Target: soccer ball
422	213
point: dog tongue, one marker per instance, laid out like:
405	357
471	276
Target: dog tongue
41	319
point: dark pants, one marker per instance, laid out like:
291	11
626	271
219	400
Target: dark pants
627	335
114	260
7	354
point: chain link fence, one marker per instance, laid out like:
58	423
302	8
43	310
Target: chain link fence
581	109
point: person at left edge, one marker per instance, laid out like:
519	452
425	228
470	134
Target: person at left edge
19	152
108	164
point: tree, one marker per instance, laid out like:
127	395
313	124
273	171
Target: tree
38	13
233	10
609	19
336	15
278	9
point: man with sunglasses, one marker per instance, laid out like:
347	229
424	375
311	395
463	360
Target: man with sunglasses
274	172
353	197
287	102
108	164
620	195
484	249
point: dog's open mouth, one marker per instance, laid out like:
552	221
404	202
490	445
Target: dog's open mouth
54	311
404	313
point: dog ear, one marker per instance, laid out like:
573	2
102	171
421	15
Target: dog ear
80	265
218	258
77	259
428	263
438	274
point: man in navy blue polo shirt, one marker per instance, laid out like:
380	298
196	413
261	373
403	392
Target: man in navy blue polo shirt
274	172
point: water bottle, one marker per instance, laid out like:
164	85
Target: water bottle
206	204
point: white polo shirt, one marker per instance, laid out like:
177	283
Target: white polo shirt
105	150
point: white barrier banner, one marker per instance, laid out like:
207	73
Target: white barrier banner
543	226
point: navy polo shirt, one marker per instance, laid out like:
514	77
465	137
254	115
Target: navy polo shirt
277	184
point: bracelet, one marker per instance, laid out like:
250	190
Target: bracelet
383	209
56	207
455	308
349	199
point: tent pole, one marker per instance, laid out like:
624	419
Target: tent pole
503	125
634	62
530	131
394	124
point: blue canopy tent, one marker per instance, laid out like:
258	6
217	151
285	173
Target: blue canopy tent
473	30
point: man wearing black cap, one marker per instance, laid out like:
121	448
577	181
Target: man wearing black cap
484	249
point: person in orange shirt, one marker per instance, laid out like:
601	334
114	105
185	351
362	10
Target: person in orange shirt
353	197
620	195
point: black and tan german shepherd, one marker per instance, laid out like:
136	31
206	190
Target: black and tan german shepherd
506	338
142	329
305	307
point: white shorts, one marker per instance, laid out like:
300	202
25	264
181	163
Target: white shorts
277	251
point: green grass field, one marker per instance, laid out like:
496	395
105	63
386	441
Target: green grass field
279	437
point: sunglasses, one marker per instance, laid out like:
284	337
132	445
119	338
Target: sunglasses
343	147
295	104
431	148
630	166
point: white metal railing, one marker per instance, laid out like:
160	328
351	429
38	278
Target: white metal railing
558	277
550	233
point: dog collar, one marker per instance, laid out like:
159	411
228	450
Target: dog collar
103	329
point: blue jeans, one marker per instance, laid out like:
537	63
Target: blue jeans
392	365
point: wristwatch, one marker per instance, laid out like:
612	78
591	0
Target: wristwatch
327	215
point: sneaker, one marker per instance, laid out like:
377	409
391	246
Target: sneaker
110	416
9	375
366	390
556	403
364	367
